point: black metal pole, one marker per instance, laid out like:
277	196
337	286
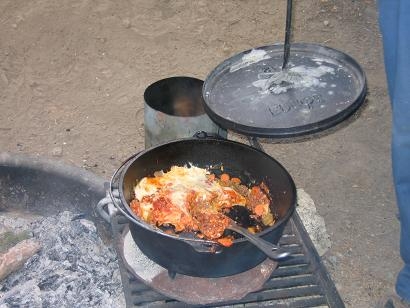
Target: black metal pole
286	49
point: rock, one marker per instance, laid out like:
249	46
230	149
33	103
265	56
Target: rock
326	22
313	222
226	48
57	151
126	22
333	260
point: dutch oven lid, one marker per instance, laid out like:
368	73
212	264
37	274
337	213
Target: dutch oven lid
250	94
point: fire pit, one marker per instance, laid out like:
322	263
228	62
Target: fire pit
41	191
52	203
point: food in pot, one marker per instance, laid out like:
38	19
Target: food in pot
189	198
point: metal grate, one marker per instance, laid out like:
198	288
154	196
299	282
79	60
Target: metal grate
300	281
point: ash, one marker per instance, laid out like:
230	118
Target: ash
73	269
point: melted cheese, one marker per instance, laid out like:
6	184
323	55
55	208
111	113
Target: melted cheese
145	188
191	199
178	183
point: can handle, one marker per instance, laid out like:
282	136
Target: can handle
205	135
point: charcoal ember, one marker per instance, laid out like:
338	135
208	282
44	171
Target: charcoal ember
49	281
56	254
73	269
27	294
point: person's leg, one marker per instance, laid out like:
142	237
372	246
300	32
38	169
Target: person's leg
388	21
395	26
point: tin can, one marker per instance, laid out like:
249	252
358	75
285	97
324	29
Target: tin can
173	109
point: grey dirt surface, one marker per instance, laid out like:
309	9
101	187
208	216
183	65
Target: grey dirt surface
72	76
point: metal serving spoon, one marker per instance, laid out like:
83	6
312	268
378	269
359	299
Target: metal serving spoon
271	250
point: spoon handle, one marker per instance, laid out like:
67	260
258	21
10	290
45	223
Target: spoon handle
271	250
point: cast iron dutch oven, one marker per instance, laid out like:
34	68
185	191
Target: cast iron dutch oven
183	253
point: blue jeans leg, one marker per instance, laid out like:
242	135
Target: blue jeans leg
394	17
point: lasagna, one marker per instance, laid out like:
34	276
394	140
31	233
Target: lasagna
192	199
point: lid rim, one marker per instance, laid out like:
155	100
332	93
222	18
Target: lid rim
293	131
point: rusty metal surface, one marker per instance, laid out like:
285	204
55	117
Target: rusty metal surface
188	289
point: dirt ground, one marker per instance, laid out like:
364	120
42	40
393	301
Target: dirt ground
72	75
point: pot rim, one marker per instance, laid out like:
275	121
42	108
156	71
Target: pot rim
135	219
